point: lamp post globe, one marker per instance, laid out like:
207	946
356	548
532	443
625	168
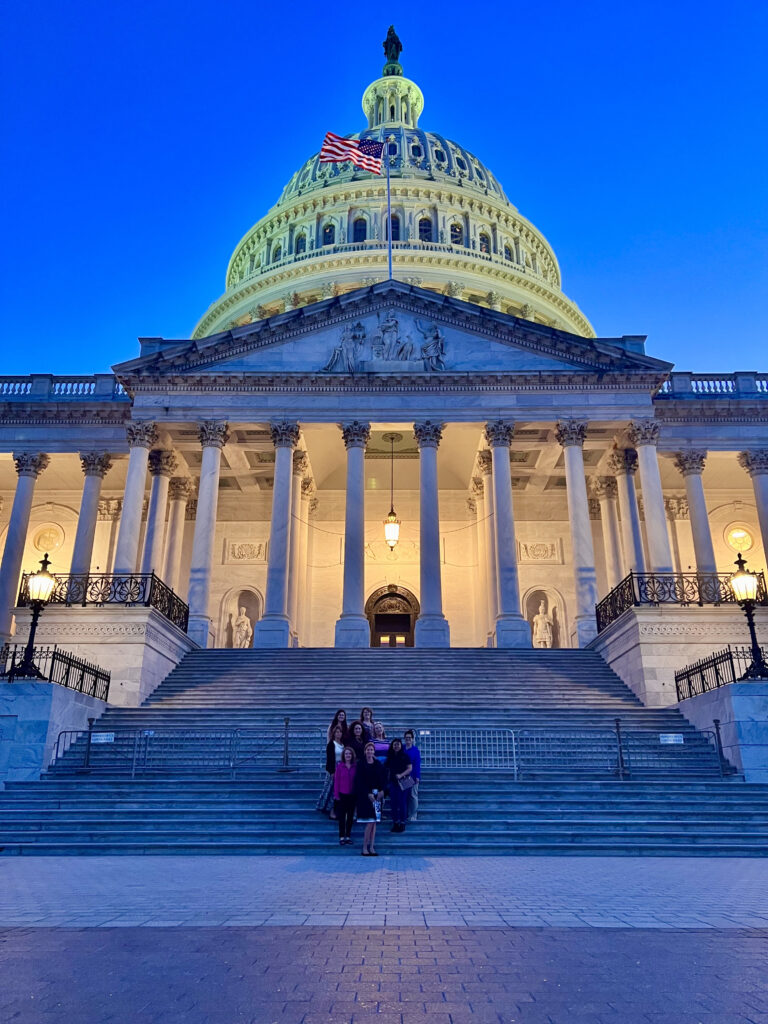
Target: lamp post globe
40	586
744	585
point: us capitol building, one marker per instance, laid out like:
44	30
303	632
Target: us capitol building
448	458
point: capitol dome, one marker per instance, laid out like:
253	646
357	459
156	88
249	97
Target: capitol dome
454	231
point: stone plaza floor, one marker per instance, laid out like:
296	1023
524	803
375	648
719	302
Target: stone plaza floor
343	940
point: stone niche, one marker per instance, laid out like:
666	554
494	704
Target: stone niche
138	646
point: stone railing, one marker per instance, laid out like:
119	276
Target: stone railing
714	385
44	387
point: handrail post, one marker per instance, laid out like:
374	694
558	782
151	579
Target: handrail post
514	754
135	746
719	742
234	748
87	758
619	749
286	753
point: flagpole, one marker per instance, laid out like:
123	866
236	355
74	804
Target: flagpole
389	212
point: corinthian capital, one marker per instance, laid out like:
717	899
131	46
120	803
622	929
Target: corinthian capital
141	435
478	488
499	433
213	434
180	488
162	463
355	434
643	432
472	506
300	463
95	463
485	462
755	461
428	434
690	463
285	434
623	462
603	487
570	433
31	463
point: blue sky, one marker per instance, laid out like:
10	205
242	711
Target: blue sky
141	141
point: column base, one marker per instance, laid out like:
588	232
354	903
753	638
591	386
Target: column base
432	631
352	631
200	629
272	631
512	631
586	629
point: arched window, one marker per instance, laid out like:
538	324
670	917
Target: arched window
329	234
392	112
457	235
425	230
395	221
416	151
277	254
507	253
359	230
485	243
301	244
392	149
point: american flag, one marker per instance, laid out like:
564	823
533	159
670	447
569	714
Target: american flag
366	153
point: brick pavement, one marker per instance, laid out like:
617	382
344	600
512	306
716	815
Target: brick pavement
398	975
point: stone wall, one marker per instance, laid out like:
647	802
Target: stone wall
742	709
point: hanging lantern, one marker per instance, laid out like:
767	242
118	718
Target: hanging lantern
392	523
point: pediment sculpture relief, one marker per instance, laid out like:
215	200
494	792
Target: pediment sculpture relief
389	348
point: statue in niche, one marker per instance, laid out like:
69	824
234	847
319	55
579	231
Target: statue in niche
243	631
433	349
346	355
542	627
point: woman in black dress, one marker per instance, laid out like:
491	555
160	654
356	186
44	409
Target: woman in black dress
398	766
370	780
357	739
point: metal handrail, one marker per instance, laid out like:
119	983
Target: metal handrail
59	667
716	670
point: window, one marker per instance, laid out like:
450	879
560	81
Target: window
457	235
416	151
485	243
460	164
479	173
392	113
395	222
359	230
392	149
439	156
738	537
425	230
329	234
507	253
277	254
301	244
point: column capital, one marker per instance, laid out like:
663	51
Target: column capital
300	462
623	462
95	463
428	434
284	434
755	461
31	463
676	507
213	434
640	432
313	506
499	433
162	462
604	487
141	435
307	487
180	488
355	434
594	508
485	462
570	433
478	488
690	462
472	506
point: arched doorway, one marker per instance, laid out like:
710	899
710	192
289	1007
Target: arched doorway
392	612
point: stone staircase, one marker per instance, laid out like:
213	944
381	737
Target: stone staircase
193	803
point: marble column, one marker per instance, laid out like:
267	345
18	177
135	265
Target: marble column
300	463
605	490
432	628
512	630
307	490
623	464
306	627
691	464
570	435
485	464
179	490
481	529
274	629
644	436
162	466
352	628
141	438
213	437
29	466
95	466
478	597
672	508
755	462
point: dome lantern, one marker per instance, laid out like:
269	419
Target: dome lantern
393	99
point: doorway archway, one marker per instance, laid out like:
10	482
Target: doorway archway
392	612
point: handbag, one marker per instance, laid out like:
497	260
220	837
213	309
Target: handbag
407	783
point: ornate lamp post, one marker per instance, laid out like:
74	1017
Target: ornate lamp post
392	523
744	586
39	587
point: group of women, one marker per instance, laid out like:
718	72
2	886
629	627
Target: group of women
362	768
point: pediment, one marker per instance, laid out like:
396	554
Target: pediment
390	328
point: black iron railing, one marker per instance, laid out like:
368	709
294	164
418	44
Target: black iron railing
102	588
680	588
58	666
718	669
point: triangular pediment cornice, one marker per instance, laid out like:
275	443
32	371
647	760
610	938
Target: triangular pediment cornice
598	355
